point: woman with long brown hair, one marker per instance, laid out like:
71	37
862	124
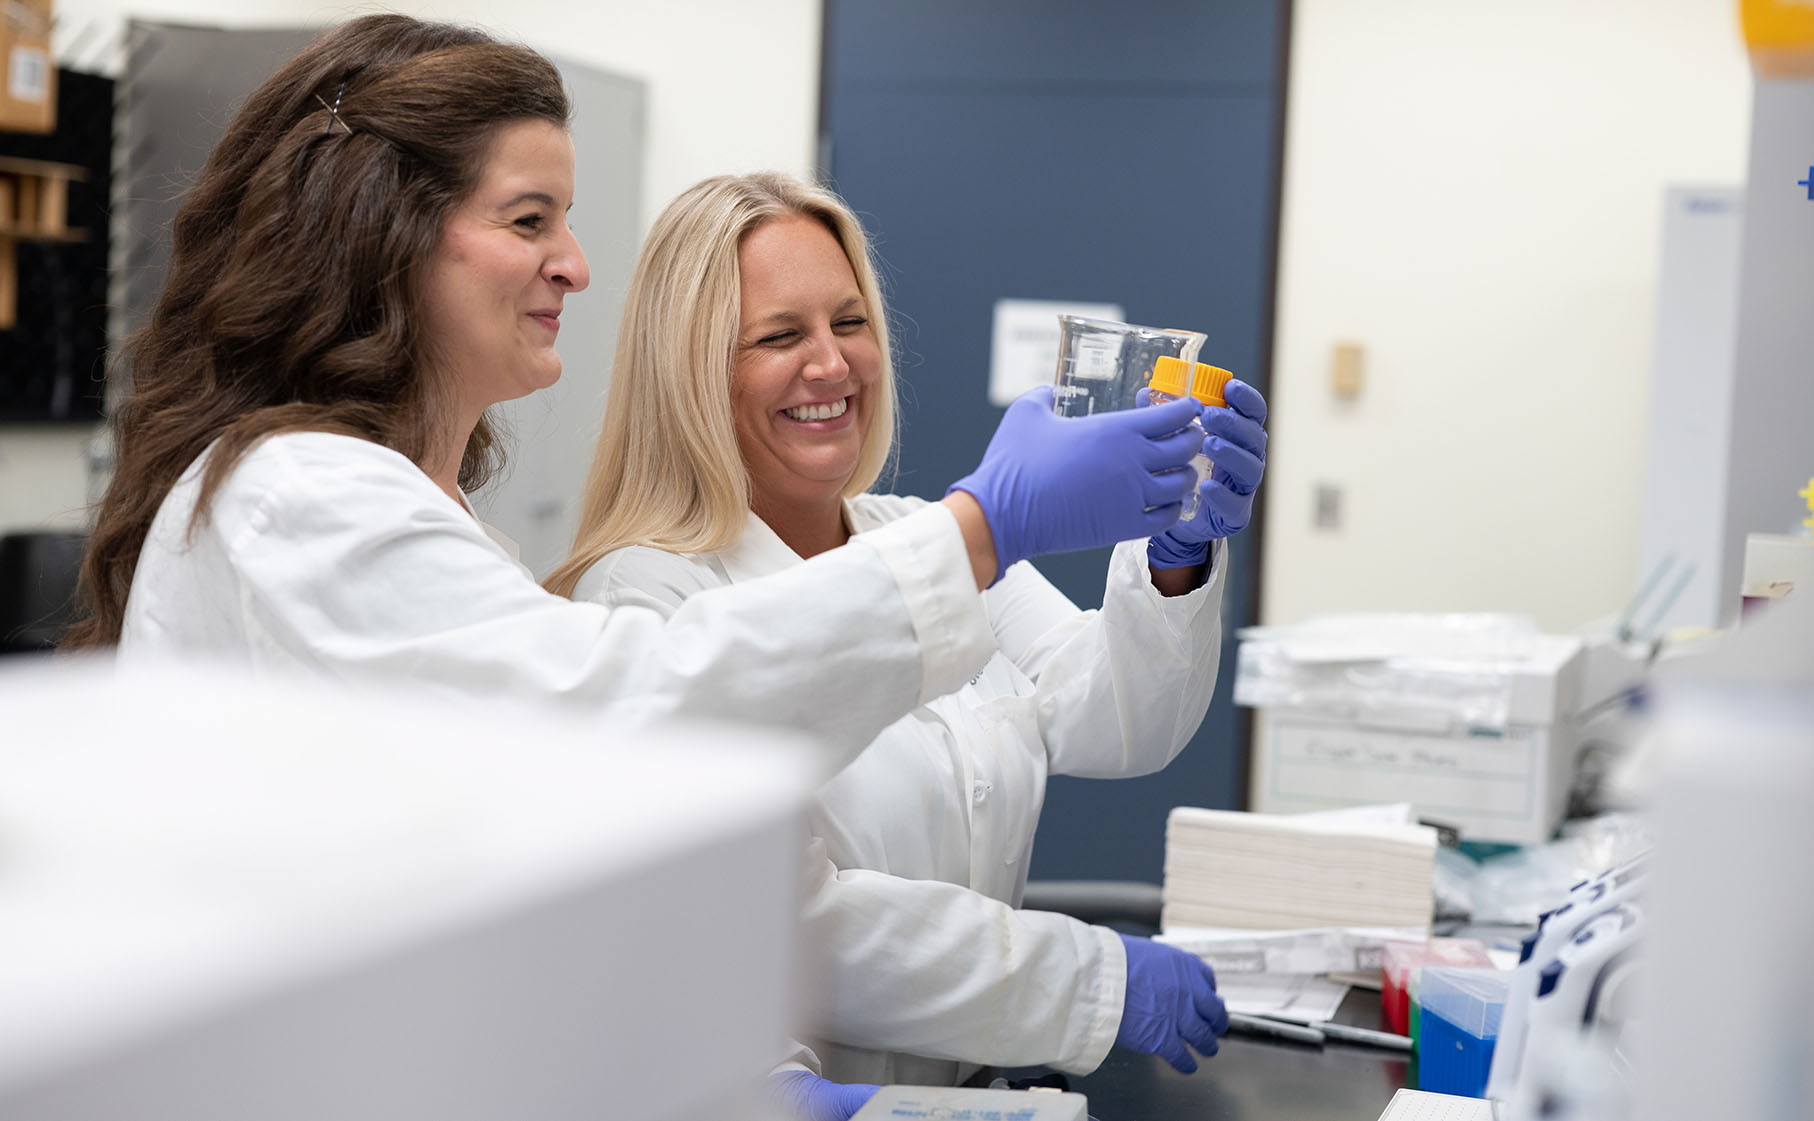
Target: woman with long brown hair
375	253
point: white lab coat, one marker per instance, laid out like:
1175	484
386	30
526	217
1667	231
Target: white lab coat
337	556
920	848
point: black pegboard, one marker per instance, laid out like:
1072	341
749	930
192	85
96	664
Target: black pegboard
53	362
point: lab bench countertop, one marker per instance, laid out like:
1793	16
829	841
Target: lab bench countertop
1252	1079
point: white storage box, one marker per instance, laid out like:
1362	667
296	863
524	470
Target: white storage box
1468	717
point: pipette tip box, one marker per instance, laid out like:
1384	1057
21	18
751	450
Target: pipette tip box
1460	1024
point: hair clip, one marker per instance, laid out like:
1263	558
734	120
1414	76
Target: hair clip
334	111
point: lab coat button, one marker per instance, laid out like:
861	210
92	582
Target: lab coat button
979	790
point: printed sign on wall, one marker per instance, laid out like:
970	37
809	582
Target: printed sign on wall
1024	349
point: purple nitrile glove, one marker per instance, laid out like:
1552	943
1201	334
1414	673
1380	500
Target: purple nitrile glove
1235	442
1052	484
1171	1000
804	1095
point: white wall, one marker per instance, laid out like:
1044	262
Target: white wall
733	86
1473	192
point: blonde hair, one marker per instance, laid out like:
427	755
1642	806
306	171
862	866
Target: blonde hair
667	472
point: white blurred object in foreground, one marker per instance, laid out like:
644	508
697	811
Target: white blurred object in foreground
1728	979
222	898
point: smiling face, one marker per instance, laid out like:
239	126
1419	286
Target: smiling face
806	366
493	295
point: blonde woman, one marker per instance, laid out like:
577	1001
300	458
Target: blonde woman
751	408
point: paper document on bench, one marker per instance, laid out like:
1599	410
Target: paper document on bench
1324	950
1298	997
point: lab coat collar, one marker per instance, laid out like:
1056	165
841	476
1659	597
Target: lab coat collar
761	552
499	538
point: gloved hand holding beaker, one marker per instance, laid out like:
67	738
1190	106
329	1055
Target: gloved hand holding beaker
1171	1001
803	1095
1235	440
1051	484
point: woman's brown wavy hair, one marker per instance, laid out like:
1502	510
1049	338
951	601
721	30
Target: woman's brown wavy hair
296	268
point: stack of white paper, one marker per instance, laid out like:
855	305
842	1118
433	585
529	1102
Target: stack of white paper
1293	871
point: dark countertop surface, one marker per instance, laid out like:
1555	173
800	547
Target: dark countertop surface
1253	1079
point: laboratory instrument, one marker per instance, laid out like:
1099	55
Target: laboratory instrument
1576	1045
1541	963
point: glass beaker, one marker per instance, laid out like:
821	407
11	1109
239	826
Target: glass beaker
1102	363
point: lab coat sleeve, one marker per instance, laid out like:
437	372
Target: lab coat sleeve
349	558
962	976
1121	690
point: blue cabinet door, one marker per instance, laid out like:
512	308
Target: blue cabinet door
1124	152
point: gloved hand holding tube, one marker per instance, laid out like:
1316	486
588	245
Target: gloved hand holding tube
1235	441
1051	484
803	1095
1171	1001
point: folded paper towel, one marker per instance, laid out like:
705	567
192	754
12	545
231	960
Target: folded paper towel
1254	871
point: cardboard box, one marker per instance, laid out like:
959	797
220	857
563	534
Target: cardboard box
1504	783
28	76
